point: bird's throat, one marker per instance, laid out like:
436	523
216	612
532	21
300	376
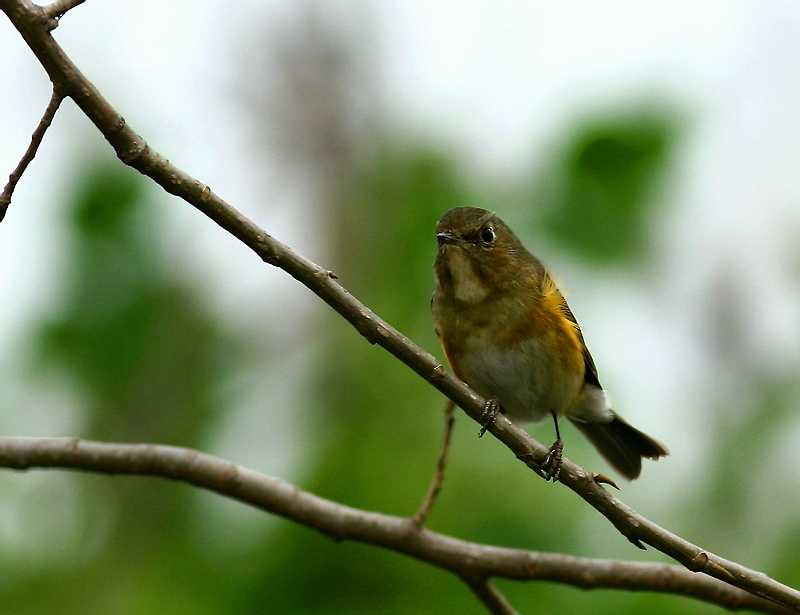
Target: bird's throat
467	283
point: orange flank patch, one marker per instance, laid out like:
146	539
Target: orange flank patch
452	352
548	321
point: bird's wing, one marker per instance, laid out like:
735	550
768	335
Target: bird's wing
590	375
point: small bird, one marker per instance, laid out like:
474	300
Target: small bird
510	335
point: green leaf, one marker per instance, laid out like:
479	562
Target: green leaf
605	186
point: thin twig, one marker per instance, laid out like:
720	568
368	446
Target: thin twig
59	8
490	596
438	477
36	139
470	561
132	149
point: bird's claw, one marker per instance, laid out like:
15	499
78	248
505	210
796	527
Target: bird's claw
552	463
490	411
603	479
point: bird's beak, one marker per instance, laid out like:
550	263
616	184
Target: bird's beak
446	238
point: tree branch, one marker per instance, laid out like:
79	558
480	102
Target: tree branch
438	476
30	153
31	22
487	592
59	8
475	563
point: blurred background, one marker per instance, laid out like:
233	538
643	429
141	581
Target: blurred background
648	154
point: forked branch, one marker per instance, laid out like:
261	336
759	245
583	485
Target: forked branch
475	563
30	153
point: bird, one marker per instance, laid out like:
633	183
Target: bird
509	334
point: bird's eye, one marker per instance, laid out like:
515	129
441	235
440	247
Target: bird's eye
487	235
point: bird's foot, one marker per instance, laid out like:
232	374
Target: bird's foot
490	411
552	463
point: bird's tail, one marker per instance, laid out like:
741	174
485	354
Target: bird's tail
621	444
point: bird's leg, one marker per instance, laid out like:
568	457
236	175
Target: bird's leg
552	463
490	411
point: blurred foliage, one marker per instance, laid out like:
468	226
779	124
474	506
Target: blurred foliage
148	358
132	334
151	360
602	189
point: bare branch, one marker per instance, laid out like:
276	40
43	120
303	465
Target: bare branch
438	477
30	153
135	152
487	592
475	563
59	8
